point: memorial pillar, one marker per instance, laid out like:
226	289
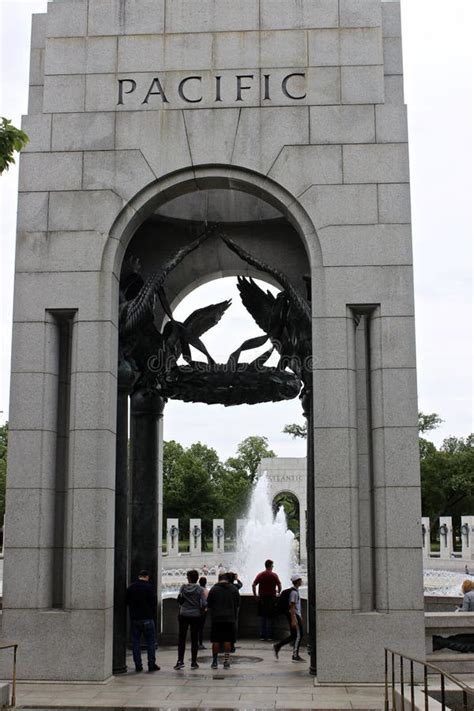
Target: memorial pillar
126	378
172	536
239	529
445	536
195	535
426	533
147	413
218	535
467	537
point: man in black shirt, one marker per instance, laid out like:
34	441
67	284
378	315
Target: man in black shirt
223	603
142	604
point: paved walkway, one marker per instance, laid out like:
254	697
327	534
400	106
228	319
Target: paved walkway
249	684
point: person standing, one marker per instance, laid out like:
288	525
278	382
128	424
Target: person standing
223	603
268	584
202	622
192	603
468	596
295	622
234	580
142	604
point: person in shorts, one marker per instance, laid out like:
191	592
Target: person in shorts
223	603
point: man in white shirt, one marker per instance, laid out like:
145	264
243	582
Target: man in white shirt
295	621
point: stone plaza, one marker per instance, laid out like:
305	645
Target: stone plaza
283	121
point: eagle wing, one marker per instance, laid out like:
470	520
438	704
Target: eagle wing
259	304
203	319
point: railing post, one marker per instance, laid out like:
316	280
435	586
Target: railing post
464	700
425	676
15	647
443	699
412	686
394	702
386	680
402	685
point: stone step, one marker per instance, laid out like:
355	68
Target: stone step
452	662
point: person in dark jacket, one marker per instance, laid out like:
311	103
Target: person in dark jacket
192	603
223	603
142	605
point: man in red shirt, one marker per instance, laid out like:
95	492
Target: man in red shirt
268	584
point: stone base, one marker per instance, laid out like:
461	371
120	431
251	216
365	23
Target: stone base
54	645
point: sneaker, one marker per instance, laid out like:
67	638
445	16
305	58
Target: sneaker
194	665
226	664
214	664
153	668
138	669
178	665
276	651
262	639
201	646
297	659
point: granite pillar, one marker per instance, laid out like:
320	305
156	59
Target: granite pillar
195	535
125	382
310	532
172	536
445	537
218	534
467	537
147	412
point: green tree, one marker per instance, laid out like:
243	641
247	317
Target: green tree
250	453
190	482
3	467
447	478
12	140
296	430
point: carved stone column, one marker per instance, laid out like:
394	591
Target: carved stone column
147	412
125	382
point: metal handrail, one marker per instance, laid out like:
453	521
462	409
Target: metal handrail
14	647
465	688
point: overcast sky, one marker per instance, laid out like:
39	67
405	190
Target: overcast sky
438	88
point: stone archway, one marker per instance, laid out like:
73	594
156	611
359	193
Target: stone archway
274	239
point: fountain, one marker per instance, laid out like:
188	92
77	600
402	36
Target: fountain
263	536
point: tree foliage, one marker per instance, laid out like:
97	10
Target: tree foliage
12	140
296	430
250	453
447	478
197	484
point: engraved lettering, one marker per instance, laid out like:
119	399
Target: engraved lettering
266	87
218	88
159	92
241	88
181	90
133	86
284	86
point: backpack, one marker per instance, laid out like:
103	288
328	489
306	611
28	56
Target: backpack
283	602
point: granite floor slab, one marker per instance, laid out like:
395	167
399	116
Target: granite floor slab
267	684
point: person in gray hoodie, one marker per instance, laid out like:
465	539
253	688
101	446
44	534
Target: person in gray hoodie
192	603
